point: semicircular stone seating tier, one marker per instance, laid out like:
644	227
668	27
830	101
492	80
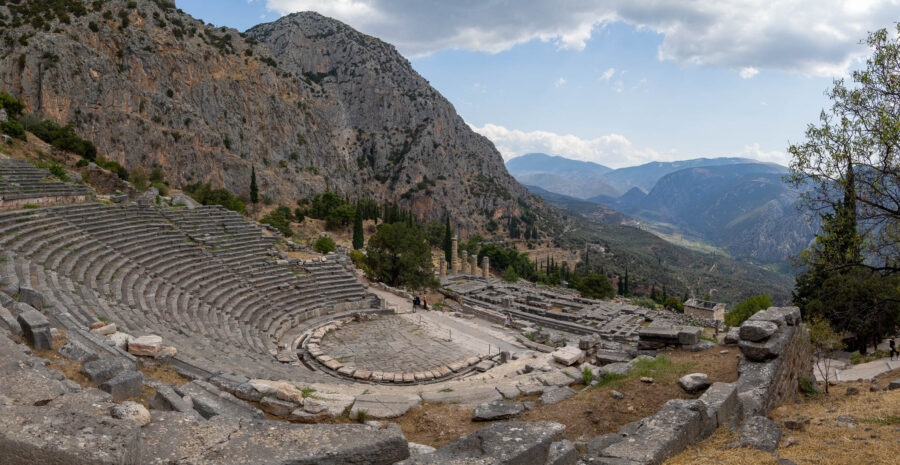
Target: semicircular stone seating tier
204	279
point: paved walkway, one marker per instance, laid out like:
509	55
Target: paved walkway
842	371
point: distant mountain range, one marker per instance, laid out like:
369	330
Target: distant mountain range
740	205
580	179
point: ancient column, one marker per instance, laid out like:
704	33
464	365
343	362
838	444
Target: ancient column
486	266
464	262
454	261
443	267
473	264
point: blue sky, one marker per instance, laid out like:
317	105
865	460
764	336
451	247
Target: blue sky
615	82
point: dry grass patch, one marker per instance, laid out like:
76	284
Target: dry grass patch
874	440
165	373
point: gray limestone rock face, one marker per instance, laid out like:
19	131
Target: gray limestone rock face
694	382
512	443
103	369
562	453
40	436
759	432
497	410
124	385
172	437
31	297
36	329
756	331
554	395
77	352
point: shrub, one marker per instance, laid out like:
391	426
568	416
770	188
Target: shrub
746	309
12	105
324	244
595	286
672	303
644	301
510	275
206	195
59	172
280	219
61	137
139	178
13	128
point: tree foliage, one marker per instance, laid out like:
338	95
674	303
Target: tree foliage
358	237
399	255
324	244
206	195
254	189
825	342
746	308
280	219
595	286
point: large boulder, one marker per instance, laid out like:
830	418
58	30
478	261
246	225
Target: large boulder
131	411
512	443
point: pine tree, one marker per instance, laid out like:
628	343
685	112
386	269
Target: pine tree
254	189
358	237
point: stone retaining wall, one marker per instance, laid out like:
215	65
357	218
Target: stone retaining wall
775	355
15	204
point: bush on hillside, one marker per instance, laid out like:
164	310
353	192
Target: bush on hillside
324	244
206	195
595	286
60	137
280	219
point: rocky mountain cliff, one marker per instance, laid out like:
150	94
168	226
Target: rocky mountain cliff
312	103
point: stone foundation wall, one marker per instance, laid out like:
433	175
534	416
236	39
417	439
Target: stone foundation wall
16	204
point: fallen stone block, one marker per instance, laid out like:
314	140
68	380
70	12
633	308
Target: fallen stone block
568	355
562	453
31	297
462	396
700	346
40	435
508	391
103	369
759	432
119	339
497	410
656	438
36	329
277	407
604	357
722	403
733	336
659	334
77	352
557	378
554	395
124	385
210	401
175	438
419	449
755	331
689	335
596	446
145	346
384	405
105	330
616	369
501	443
166	399
694	382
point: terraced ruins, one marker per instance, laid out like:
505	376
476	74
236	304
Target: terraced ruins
122	288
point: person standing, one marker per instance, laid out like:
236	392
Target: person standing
893	346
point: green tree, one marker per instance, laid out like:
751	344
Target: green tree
595	286
510	275
434	231
358	238
324	244
398	254
12	105
672	303
254	189
745	309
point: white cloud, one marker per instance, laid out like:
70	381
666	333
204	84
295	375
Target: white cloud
748	72
560	82
608	74
815	37
755	152
613	150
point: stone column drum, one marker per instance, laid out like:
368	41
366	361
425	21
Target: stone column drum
473	265
454	261
486	266
442	267
464	262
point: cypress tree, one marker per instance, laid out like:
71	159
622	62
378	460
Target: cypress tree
625	286
448	241
358	237
254	190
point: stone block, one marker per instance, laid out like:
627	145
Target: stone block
557	378
463	396
895	384
659	334
617	369
77	352
277	407
36	329
124	385
694	382
656	438
103	369
611	356
209	401
768	349
733	336
38	436
722	403
9	321
554	395
106	330
497	410
562	453
119	339
508	391
384	405
759	432
500	443
568	355
757	330
166	399
145	346
596	446
132	411
689	335
173	438
31	297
